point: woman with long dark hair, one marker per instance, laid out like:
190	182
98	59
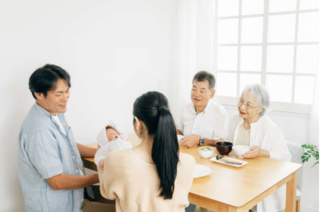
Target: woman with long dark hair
153	176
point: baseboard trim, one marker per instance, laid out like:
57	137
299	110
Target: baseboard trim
307	209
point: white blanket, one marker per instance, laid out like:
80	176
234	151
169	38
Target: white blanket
111	146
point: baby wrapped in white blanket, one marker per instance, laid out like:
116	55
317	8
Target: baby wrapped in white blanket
109	140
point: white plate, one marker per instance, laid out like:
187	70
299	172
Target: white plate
214	159
179	137
201	171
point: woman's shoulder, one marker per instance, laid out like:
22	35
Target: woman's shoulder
186	167
269	127
184	156
187	160
268	123
119	155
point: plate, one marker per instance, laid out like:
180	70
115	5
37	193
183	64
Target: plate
179	137
214	159
201	171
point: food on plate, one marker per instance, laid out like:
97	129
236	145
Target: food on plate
205	149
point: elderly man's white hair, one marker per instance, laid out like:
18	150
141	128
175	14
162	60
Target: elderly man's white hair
261	94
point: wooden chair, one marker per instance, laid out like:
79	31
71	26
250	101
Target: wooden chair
296	151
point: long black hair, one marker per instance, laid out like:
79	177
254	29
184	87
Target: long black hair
152	109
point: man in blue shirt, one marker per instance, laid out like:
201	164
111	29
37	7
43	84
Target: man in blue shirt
51	172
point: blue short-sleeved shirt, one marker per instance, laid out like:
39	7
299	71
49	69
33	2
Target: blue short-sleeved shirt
43	152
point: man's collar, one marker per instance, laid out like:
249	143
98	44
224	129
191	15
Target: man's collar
41	109
208	105
193	109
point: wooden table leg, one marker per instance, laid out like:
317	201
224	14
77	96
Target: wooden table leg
291	194
203	209
298	205
226	208
232	209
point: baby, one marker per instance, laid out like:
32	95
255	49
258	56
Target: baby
109	140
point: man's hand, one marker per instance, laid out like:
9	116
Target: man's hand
190	141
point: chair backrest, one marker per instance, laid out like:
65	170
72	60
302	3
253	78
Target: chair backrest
296	151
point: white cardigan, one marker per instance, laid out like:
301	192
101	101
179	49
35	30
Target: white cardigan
265	134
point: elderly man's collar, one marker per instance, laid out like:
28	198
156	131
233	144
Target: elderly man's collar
193	109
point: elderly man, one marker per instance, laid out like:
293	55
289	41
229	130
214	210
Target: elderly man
51	172
203	121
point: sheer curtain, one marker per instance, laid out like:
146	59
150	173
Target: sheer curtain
314	117
193	47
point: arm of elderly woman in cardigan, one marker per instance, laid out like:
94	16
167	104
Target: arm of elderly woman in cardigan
256	151
275	144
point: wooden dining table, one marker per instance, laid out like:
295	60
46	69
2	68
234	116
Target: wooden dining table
234	189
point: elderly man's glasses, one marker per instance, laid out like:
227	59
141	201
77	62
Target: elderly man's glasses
248	105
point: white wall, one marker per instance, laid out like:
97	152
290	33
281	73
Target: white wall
115	50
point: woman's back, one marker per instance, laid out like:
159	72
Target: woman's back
134	183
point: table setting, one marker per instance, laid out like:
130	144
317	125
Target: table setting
227	187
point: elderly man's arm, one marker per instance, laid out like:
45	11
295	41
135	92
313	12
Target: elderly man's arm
85	151
70	182
193	140
179	132
181	125
209	142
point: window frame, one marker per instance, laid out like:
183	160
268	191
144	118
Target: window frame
283	107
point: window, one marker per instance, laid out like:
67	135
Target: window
272	42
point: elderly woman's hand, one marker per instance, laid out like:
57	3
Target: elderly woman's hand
190	141
256	151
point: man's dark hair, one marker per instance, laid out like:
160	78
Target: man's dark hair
46	78
204	75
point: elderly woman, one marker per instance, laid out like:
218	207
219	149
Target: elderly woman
252	128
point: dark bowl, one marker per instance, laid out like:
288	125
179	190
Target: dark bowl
224	148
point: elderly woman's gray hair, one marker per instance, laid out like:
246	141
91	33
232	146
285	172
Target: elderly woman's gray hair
261	94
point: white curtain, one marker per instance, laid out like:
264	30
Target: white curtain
314	116
194	47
